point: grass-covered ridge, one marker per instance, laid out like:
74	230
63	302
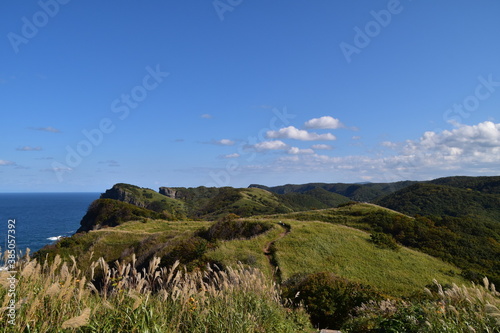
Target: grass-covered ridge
315	241
356	266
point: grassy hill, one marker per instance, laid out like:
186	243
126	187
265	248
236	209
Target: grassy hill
201	202
333	260
237	260
307	247
312	247
461	224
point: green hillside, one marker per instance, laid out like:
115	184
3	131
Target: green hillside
482	184
344	264
462	224
146	198
205	203
307	247
200	202
317	198
440	200
312	247
357	192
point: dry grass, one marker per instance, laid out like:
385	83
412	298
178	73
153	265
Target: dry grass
119	298
465	309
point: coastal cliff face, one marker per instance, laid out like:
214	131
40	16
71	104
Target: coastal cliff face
124	193
104	213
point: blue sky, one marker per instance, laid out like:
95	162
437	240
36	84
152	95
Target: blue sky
235	92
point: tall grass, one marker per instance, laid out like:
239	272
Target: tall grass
465	309
57	297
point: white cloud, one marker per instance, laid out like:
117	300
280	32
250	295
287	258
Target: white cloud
467	150
388	144
325	122
234	155
467	144
291	132
270	145
4	162
356	137
322	147
206	116
225	142
28	148
298	151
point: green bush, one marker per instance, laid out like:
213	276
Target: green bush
329	299
384	241
189	252
228	228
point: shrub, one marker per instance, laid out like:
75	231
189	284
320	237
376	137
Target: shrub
229	228
329	299
384	241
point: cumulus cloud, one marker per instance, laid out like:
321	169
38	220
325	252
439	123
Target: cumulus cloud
46	129
388	144
467	144
322	147
224	142
471	149
325	122
29	148
298	151
270	145
292	132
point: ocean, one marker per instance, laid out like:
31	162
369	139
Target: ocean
41	218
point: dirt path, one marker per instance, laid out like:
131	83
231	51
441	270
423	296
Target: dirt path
270	253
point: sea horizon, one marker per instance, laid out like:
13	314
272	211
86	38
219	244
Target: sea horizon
41	218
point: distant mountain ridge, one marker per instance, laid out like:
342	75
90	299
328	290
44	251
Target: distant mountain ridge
373	192
449	196
355	191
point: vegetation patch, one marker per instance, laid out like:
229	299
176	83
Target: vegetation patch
329	299
230	227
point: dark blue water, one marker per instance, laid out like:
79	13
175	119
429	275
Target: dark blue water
40	217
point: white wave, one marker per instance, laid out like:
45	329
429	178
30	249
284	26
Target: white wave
55	238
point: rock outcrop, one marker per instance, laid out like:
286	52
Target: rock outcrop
124	193
169	192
